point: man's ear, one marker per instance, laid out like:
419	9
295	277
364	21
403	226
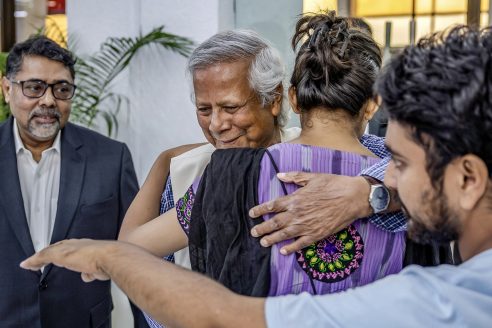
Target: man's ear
472	178
6	89
370	108
293	100
277	102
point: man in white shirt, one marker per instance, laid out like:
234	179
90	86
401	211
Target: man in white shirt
58	181
438	94
40	184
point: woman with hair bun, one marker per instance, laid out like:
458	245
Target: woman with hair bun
331	90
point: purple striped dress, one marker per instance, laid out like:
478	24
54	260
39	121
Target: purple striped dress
355	256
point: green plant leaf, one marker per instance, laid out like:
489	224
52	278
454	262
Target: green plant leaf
95	74
4	108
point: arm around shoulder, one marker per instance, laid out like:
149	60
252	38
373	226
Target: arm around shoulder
146	204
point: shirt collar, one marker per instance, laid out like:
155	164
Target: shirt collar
19	145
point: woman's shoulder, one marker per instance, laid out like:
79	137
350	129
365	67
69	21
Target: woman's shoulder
184	150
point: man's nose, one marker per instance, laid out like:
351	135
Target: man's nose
48	99
220	121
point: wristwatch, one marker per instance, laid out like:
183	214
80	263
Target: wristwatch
379	195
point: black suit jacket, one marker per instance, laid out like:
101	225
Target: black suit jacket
97	184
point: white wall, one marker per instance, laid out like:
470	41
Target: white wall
165	115
161	114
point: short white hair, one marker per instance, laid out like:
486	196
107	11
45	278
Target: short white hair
266	71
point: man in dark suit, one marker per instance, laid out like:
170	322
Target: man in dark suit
57	181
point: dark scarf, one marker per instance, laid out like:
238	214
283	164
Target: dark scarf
429	255
219	240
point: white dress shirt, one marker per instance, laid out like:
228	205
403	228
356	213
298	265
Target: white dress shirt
40	185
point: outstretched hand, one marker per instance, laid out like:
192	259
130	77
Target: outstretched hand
80	255
324	205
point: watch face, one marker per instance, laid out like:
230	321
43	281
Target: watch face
379	198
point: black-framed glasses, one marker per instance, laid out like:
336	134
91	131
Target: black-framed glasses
37	88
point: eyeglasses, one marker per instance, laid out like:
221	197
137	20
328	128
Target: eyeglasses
37	89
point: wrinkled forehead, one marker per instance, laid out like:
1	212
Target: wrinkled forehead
222	81
223	71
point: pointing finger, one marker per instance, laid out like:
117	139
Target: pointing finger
34	263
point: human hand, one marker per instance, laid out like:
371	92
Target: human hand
80	255
324	205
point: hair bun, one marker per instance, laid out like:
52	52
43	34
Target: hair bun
333	56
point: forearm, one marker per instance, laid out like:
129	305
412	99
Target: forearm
360	201
394	201
392	219
378	170
146	204
175	296
143	209
161	236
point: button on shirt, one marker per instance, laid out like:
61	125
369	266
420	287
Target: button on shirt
40	184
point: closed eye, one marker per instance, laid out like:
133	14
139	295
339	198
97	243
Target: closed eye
204	110
231	109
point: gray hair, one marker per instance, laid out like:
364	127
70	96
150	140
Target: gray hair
266	72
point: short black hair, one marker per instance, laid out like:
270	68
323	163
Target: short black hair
441	88
38	46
